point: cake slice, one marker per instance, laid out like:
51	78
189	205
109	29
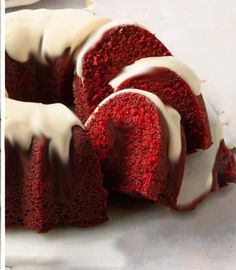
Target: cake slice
177	86
135	136
53	176
112	47
140	145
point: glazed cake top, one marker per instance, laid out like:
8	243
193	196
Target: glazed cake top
46	32
25	120
146	65
170	115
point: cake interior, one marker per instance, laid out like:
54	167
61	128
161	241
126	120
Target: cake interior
131	139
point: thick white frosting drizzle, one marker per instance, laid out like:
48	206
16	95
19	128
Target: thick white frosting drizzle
48	32
145	65
198	178
96	37
25	120
170	115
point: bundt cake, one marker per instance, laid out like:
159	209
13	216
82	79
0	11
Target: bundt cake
52	174
176	85
140	145
74	112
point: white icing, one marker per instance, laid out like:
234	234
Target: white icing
198	178
96	37
170	115
24	120
56	29
145	65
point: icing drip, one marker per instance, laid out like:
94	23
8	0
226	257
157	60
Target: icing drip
146	65
198	178
170	115
45	32
24	120
96	37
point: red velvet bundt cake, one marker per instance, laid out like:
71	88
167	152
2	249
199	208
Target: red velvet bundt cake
74	61
105	53
177	86
140	145
52	174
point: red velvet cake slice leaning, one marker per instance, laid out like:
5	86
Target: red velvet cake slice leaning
177	86
140	145
40	52
52	174
112	47
207	171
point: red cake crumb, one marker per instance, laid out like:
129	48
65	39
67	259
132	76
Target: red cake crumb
42	192
119	47
174	91
131	139
225	167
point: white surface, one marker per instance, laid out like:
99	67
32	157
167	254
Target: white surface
146	237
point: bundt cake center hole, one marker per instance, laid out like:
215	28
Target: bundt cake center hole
48	81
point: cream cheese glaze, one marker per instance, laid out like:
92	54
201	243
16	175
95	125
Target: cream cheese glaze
145	65
25	120
170	115
46	32
198	173
96	37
